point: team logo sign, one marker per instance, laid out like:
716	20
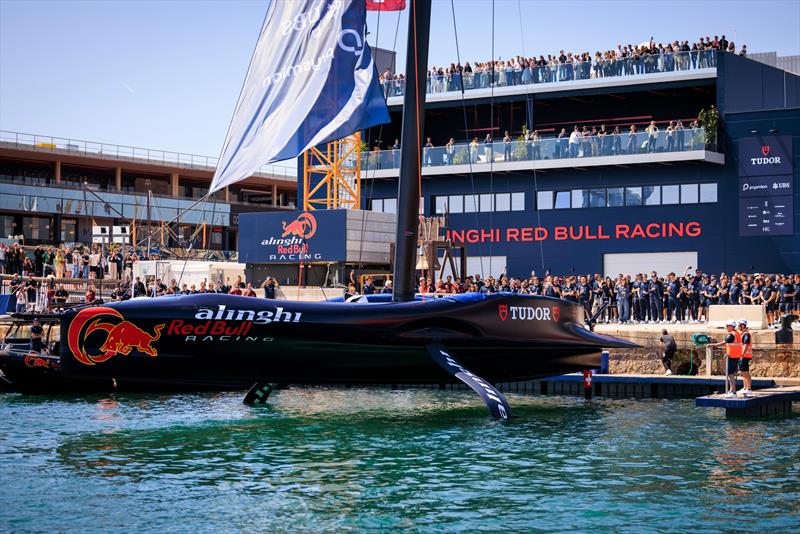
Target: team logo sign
121	336
503	310
305	226
556	313
765	150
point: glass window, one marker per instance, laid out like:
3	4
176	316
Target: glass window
708	192
651	195
470	203
615	197
377	204
580	198
544	200
633	196
562	200
390	205
670	194
441	204
456	204
69	230
517	201
7	226
689	194
36	228
487	203
597	198
502	202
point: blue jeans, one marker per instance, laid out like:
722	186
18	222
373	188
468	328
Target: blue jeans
624	309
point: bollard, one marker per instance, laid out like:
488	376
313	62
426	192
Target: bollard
709	359
587	385
604	357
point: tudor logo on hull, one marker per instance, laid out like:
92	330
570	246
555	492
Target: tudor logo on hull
528	313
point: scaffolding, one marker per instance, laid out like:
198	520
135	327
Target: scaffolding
332	179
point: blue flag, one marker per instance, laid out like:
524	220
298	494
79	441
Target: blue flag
312	79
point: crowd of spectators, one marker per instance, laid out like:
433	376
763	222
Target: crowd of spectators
624	60
63	261
642	298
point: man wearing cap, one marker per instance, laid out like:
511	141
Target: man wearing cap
744	361
733	352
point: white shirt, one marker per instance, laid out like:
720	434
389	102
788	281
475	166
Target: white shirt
575	138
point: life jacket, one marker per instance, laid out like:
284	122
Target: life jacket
734	349
747	350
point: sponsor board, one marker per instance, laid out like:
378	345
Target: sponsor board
765	156
766	186
766	216
292	237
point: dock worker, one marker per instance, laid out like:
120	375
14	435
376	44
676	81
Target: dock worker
733	351
670	348
744	361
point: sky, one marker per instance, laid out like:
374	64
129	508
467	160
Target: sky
166	74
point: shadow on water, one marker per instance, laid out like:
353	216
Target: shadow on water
382	459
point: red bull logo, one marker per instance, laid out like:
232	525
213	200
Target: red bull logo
305	226
121	336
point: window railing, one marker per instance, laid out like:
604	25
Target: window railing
49	143
482	153
596	69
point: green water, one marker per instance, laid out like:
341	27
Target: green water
379	460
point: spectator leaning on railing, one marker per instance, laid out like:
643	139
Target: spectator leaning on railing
628	60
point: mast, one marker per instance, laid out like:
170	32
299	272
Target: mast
408	185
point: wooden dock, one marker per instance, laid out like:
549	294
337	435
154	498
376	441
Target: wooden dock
613	386
763	403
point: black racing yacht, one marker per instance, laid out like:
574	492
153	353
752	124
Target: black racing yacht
477	339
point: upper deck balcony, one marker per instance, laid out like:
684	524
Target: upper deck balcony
550	153
600	74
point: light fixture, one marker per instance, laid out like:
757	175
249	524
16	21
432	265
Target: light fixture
773	130
753	132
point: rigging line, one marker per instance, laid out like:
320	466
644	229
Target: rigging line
476	199
531	101
491	163
419	151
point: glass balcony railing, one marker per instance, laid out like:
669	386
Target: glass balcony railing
546	149
588	70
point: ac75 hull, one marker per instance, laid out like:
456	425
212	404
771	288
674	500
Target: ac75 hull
212	337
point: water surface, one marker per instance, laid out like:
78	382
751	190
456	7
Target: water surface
334	459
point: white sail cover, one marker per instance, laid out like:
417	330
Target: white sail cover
312	79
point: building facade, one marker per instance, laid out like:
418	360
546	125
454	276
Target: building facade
623	202
53	190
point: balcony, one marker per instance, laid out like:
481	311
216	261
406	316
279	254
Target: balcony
550	153
679	66
51	200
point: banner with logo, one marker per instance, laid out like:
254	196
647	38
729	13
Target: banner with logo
292	236
765	156
765	186
312	79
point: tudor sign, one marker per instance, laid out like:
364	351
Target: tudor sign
765	156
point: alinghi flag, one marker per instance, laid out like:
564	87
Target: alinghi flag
312	79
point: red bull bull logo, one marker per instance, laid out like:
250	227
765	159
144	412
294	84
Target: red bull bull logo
121	336
305	226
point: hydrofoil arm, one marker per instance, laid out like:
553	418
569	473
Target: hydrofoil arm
494	400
